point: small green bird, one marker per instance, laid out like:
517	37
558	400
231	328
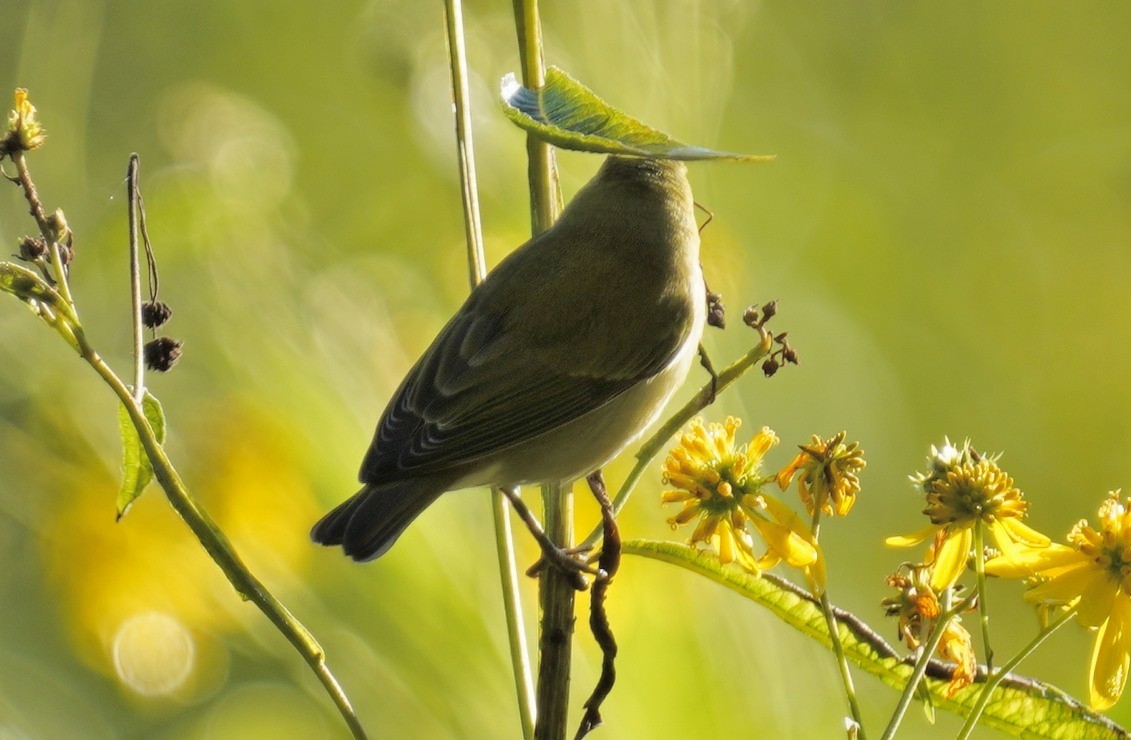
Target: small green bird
558	360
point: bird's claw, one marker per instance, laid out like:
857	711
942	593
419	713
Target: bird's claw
570	561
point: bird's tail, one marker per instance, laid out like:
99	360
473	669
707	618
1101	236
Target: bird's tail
367	524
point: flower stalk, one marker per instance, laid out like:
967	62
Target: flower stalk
477	269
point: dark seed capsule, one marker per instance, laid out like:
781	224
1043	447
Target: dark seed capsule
155	313
750	316
716	311
32	248
789	354
769	311
770	366
162	353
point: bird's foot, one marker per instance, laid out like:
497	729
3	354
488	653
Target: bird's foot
571	561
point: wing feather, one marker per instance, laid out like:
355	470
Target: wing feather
454	408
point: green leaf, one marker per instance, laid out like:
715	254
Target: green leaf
1020	706
137	470
569	115
32	289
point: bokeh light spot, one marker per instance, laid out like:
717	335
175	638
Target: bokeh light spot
154	653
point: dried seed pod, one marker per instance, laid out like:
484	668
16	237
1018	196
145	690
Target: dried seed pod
155	313
162	353
32	248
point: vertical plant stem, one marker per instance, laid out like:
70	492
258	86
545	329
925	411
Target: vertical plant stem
993	680
477	267
542	169
838	646
980	571
516	626
555	634
133	193
927	649
555	589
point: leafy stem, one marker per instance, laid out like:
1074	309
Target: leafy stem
56	306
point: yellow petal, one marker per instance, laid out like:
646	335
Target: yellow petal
910	540
1065	588
1017	532
950	560
1097	601
794	549
1108	672
1020	561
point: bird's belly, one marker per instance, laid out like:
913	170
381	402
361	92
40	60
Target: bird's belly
584	445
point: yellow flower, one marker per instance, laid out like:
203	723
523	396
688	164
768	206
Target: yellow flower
1094	574
24	131
827	477
718	483
964	488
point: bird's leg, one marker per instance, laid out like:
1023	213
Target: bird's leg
705	361
564	559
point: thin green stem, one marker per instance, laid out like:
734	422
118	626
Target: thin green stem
217	545
837	645
926	650
655	444
516	628
996	677
133	193
211	537
477	270
980	572
542	171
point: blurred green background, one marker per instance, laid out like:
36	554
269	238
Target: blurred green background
947	227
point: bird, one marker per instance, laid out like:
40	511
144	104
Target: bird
559	359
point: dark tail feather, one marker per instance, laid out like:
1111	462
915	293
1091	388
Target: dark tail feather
368	524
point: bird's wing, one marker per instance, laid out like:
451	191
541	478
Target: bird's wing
486	384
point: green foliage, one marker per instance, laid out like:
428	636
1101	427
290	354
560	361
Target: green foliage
137	470
569	115
1020	708
40	297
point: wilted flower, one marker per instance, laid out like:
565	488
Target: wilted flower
826	473
24	131
964	488
957	646
1094	574
718	482
917	607
916	604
